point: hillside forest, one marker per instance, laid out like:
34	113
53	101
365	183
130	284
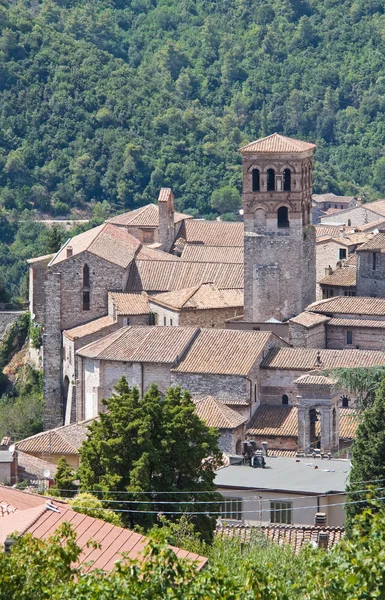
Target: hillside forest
102	102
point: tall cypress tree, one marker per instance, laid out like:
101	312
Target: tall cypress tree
148	446
368	457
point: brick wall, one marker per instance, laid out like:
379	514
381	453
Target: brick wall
276	442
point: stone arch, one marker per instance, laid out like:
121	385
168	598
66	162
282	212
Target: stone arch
270	179
315	433
259	217
283	217
285	399
255	180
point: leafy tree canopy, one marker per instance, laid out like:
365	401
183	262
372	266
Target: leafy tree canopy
226	200
362	382
148	446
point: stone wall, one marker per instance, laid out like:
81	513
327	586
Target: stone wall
219	386
370	282
364	338
164	316
276	442
52	354
303	337
228	439
277	382
209	318
327	255
37	272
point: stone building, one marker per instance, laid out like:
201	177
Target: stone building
338	282
229	423
279	238
371	267
371	212
323	203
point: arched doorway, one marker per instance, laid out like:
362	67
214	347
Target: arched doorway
315	429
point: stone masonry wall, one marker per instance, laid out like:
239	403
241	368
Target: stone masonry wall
302	337
327	255
52	343
362	337
37	272
357	216
209	318
219	386
370	282
228	439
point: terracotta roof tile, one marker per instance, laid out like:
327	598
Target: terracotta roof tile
308	319
378	207
350	305
351	261
32	467
375	244
146	216
130	304
19	500
367	323
38	259
333	231
293	535
345	277
321	198
61	440
224	351
216	254
314	379
304	359
348	422
218	415
372	226
88	328
146	275
277	420
142	344
277	143
205	296
213	233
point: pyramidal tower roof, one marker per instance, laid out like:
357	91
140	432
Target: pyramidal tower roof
277	143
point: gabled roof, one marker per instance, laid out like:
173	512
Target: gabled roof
330	197
315	379
201	297
142	344
378	207
61	440
146	275
277	420
146	216
224	351
130	304
343	277
309	319
277	143
354	305
218	415
44	517
212	233
111	243
305	359
216	254
351	323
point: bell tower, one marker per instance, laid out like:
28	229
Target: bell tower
279	239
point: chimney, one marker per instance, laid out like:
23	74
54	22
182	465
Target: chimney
320	519
264	448
166	230
69	251
323	540
328	271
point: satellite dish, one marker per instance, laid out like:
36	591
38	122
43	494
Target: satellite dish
46	473
11	448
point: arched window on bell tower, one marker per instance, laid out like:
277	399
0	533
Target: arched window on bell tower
270	180
286	180
283	217
255	180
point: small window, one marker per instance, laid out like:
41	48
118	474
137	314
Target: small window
255	392
280	512
232	509
86	276
283	217
171	322
287	180
374	261
335	206
342	253
86	301
255	180
345	401
152	318
349	337
285	399
128	321
329	205
349	222
164	321
270	180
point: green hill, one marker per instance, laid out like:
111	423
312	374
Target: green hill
107	100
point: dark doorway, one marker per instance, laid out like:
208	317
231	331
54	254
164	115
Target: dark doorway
285	399
270	180
287	180
283	217
256	180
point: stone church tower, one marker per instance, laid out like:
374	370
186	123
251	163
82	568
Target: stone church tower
279	240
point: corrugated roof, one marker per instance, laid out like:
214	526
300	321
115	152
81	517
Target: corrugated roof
305	359
343	277
295	536
212	233
375	244
88	328
308	319
130	304
367	323
224	351
146	216
61	440
216	254
146	275
142	344
218	415
354	305
205	296
277	143
277	420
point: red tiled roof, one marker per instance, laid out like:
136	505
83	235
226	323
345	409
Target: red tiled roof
66	439
277	143
217	414
212	233
343	277
349	305
204	296
308	319
215	254
130	304
89	328
367	323
146	216
375	244
304	359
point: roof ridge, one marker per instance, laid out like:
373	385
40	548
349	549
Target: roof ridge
122	332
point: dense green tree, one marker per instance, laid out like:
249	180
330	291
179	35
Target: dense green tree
87	504
225	200
150	446
54	240
64	484
361	382
368	457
